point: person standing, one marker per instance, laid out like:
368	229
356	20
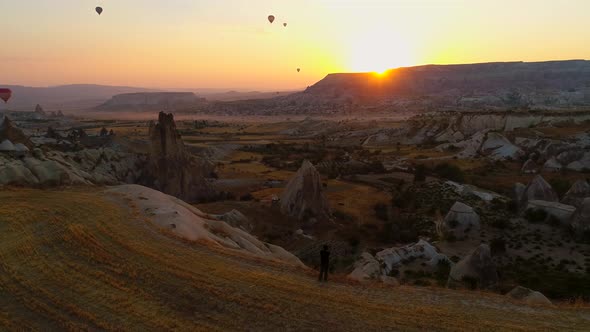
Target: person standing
324	263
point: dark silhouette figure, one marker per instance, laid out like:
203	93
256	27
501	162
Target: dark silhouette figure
324	263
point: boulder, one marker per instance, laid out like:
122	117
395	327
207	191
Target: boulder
581	219
577	193
467	190
562	212
539	189
8	131
528	296
304	196
471	147
380	267
7	146
459	221
498	147
422	250
530	167
366	268
476	270
582	164
569	156
552	165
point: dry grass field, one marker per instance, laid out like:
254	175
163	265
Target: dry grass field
73	260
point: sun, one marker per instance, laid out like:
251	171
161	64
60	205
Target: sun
378	51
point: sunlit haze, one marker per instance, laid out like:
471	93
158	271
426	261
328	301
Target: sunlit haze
230	43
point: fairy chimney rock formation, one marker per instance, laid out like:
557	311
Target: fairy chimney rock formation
304	197
171	169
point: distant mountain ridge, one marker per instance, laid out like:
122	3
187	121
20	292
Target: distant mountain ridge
551	85
147	101
481	77
76	96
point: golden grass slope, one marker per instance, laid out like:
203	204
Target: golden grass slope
72	259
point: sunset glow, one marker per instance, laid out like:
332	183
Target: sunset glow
230	43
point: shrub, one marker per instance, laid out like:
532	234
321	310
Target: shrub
535	216
354	240
497	246
470	282
500	223
512	206
247	197
560	185
381	211
554	221
377	167
450	172
404	200
341	215
400	230
443	268
420	173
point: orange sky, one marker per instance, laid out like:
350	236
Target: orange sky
230	44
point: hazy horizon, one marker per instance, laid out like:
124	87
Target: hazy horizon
218	90
230	45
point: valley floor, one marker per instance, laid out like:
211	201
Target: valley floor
73	259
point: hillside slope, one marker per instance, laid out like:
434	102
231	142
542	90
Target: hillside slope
76	259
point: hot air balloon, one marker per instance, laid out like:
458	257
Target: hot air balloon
285	25
298	69
271	18
5	94
99	10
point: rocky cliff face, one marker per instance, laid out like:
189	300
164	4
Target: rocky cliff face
494	84
304	197
170	168
552	85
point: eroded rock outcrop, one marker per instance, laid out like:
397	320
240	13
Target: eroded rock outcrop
186	221
530	167
9	132
170	168
421	255
539	189
459	222
498	147
562	212
304	196
577	193
581	219
56	168
476	270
